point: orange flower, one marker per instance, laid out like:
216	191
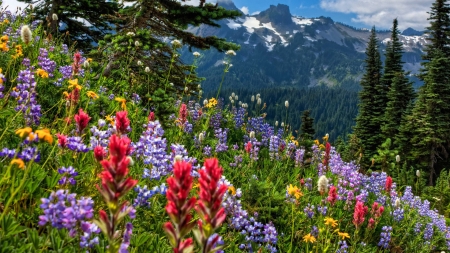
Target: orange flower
74	84
18	162
122	102
330	221
42	73
92	95
24	132
44	134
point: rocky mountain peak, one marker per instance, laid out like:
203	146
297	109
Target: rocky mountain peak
278	15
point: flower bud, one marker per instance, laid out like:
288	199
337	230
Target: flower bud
232	95
178	158
286	103
201	137
26	34
196	54
397	158
136	43
282	124
236	97
276	123
231	52
253	98
54	17
147	69
322	184
252	134
205	102
130	161
232	101
139	63
86	64
418	173
186	89
397	203
258	101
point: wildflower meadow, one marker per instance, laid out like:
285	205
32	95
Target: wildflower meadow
86	165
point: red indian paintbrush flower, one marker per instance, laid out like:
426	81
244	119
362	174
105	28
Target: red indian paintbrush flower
248	147
115	184
209	206
182	115
122	122
82	120
179	207
151	116
99	153
388	185
62	140
326	158
359	213
332	195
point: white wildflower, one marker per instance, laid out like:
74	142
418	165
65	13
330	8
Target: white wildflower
322	184
26	34
231	52
196	54
147	69
54	17
286	103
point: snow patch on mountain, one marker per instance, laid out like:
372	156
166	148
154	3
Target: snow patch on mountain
301	21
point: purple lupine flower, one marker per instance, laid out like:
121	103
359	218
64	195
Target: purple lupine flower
64	49
126	238
75	143
45	63
342	247
398	214
88	230
309	211
239	117
25	94
221	135
144	194
299	154
385	237
152	147
29	153
207	150
428	232
315	231
215	120
322	210
135	98
274	147
63	210
237	161
69	174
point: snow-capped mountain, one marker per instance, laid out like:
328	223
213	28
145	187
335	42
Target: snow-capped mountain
287	50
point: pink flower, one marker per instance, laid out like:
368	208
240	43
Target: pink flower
388	185
248	147
99	153
332	195
82	120
62	140
359	213
122	122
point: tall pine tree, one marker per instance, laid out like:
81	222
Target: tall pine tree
371	97
429	123
307	127
400	91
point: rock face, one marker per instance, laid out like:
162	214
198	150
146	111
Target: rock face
281	49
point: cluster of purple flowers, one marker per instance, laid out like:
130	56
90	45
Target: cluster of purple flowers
152	147
240	220
221	135
26	154
385	237
274	147
239	117
144	194
63	210
75	143
342	247
25	93
309	211
237	161
126	238
215	120
45	63
69	175
101	137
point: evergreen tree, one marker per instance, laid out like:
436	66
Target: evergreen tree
83	20
399	89
150	35
307	127
429	122
431	116
371	107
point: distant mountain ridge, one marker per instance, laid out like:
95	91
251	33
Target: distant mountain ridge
283	50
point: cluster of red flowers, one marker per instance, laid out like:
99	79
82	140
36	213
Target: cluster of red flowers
209	206
115	183
76	65
332	195
388	185
359	214
182	115
82	120
326	157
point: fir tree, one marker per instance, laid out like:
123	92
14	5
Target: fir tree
399	89
307	127
371	107
429	122
82	19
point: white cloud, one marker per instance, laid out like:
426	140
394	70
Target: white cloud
244	9
410	13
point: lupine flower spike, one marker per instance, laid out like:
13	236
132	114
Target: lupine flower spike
209	206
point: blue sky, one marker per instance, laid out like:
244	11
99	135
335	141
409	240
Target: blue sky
358	13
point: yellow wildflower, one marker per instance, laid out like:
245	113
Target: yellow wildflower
4	39
110	119
24	132
92	94
19	162
294	191
44	134
232	190
343	235
1	76
196	185
89	60
211	103
316	142
74	84
309	238
122	102
330	221
4	47
5	22
66	94
321	146
42	73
